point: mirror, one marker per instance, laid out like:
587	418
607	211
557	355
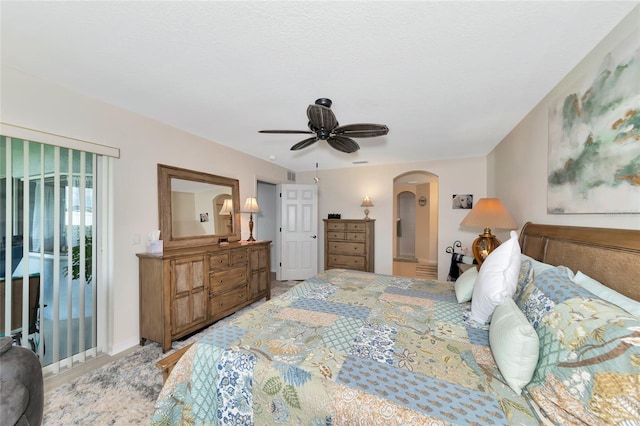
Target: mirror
196	208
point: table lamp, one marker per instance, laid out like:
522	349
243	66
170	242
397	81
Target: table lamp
487	213
366	203
251	207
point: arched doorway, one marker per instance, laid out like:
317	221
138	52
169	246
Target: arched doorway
415	216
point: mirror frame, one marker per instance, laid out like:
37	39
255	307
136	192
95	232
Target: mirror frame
165	174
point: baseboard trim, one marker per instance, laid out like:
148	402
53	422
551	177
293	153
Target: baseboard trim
123	346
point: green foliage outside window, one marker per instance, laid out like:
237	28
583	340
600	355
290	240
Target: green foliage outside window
75	261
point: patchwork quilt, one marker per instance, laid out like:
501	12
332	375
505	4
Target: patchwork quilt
345	347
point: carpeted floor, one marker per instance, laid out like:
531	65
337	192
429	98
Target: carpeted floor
122	392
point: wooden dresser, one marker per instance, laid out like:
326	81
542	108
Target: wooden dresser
349	244
183	290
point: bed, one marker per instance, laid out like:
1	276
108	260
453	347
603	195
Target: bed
347	347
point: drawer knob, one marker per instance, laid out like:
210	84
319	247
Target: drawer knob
219	303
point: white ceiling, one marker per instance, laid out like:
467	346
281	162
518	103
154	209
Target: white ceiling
450	79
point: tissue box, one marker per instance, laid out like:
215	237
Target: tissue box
154	246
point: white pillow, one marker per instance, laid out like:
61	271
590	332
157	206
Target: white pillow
497	280
607	294
464	284
514	344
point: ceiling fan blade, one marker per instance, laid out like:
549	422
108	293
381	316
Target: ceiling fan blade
343	143
286	131
361	130
305	143
321	117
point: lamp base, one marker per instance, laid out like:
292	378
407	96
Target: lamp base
251	239
484	245
366	214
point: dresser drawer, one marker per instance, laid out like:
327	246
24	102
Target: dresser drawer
238	257
358	227
332	226
335	235
344	261
227	280
225	303
218	260
356	236
345	248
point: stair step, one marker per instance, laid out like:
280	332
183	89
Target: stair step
427	271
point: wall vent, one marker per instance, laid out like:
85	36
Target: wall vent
291	176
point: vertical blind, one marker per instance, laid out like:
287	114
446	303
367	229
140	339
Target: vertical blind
49	221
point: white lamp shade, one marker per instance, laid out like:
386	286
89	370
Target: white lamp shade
227	207
251	205
366	202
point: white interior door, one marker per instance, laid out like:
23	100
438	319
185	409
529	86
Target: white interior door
298	232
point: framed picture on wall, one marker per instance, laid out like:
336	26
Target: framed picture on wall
462	201
594	166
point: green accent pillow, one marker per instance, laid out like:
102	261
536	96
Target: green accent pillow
514	344
464	284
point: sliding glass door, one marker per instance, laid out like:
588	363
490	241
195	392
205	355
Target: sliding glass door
48	236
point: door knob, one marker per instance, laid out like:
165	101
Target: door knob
314	236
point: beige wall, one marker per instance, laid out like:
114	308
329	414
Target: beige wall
342	190
517	171
423	226
183	215
40	105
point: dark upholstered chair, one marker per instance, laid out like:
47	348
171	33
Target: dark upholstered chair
21	386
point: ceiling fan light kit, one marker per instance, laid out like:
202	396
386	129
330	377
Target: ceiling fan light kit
325	126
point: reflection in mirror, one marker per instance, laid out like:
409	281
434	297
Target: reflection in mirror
195	208
223	204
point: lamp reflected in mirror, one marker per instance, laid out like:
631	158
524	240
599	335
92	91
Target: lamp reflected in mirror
227	209
251	207
487	213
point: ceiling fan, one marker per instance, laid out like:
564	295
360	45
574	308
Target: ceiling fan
324	124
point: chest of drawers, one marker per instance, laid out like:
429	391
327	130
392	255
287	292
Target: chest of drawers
184	290
349	244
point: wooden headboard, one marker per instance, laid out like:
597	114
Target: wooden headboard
611	256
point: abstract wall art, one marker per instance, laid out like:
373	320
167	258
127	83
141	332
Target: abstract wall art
594	138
